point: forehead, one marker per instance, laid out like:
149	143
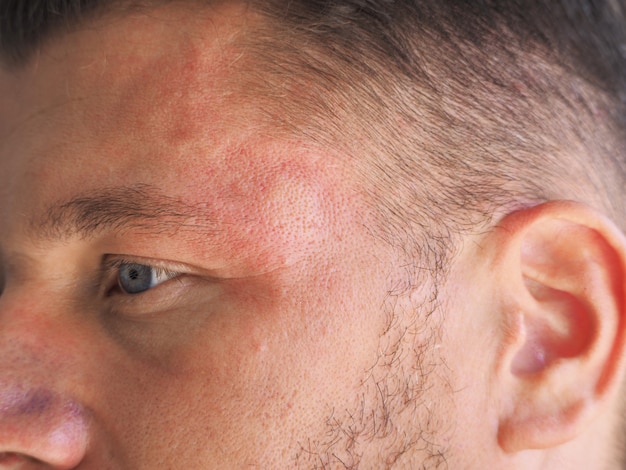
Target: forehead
130	74
152	99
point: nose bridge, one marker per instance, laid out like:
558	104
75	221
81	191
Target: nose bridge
34	338
40	417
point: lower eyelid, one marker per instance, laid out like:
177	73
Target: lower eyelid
163	297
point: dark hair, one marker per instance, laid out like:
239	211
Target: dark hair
24	24
463	107
454	109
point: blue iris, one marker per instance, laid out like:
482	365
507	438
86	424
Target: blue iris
135	278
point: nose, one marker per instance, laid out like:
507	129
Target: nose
42	424
40	429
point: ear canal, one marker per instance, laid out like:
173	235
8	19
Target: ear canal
565	330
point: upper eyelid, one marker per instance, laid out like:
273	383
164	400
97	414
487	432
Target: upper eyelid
112	262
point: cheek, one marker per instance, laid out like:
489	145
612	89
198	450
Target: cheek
269	370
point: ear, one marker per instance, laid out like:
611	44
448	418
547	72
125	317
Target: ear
561	274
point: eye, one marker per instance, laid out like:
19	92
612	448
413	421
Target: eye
135	278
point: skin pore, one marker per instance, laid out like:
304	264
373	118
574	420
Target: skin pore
277	344
280	331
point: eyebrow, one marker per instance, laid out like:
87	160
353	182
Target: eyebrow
143	207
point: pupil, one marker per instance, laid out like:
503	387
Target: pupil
135	278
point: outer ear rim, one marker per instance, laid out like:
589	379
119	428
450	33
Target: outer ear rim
523	430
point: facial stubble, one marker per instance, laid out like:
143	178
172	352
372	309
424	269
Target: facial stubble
396	419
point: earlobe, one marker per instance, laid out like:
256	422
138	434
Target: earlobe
563	304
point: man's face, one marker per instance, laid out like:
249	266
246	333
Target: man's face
182	290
